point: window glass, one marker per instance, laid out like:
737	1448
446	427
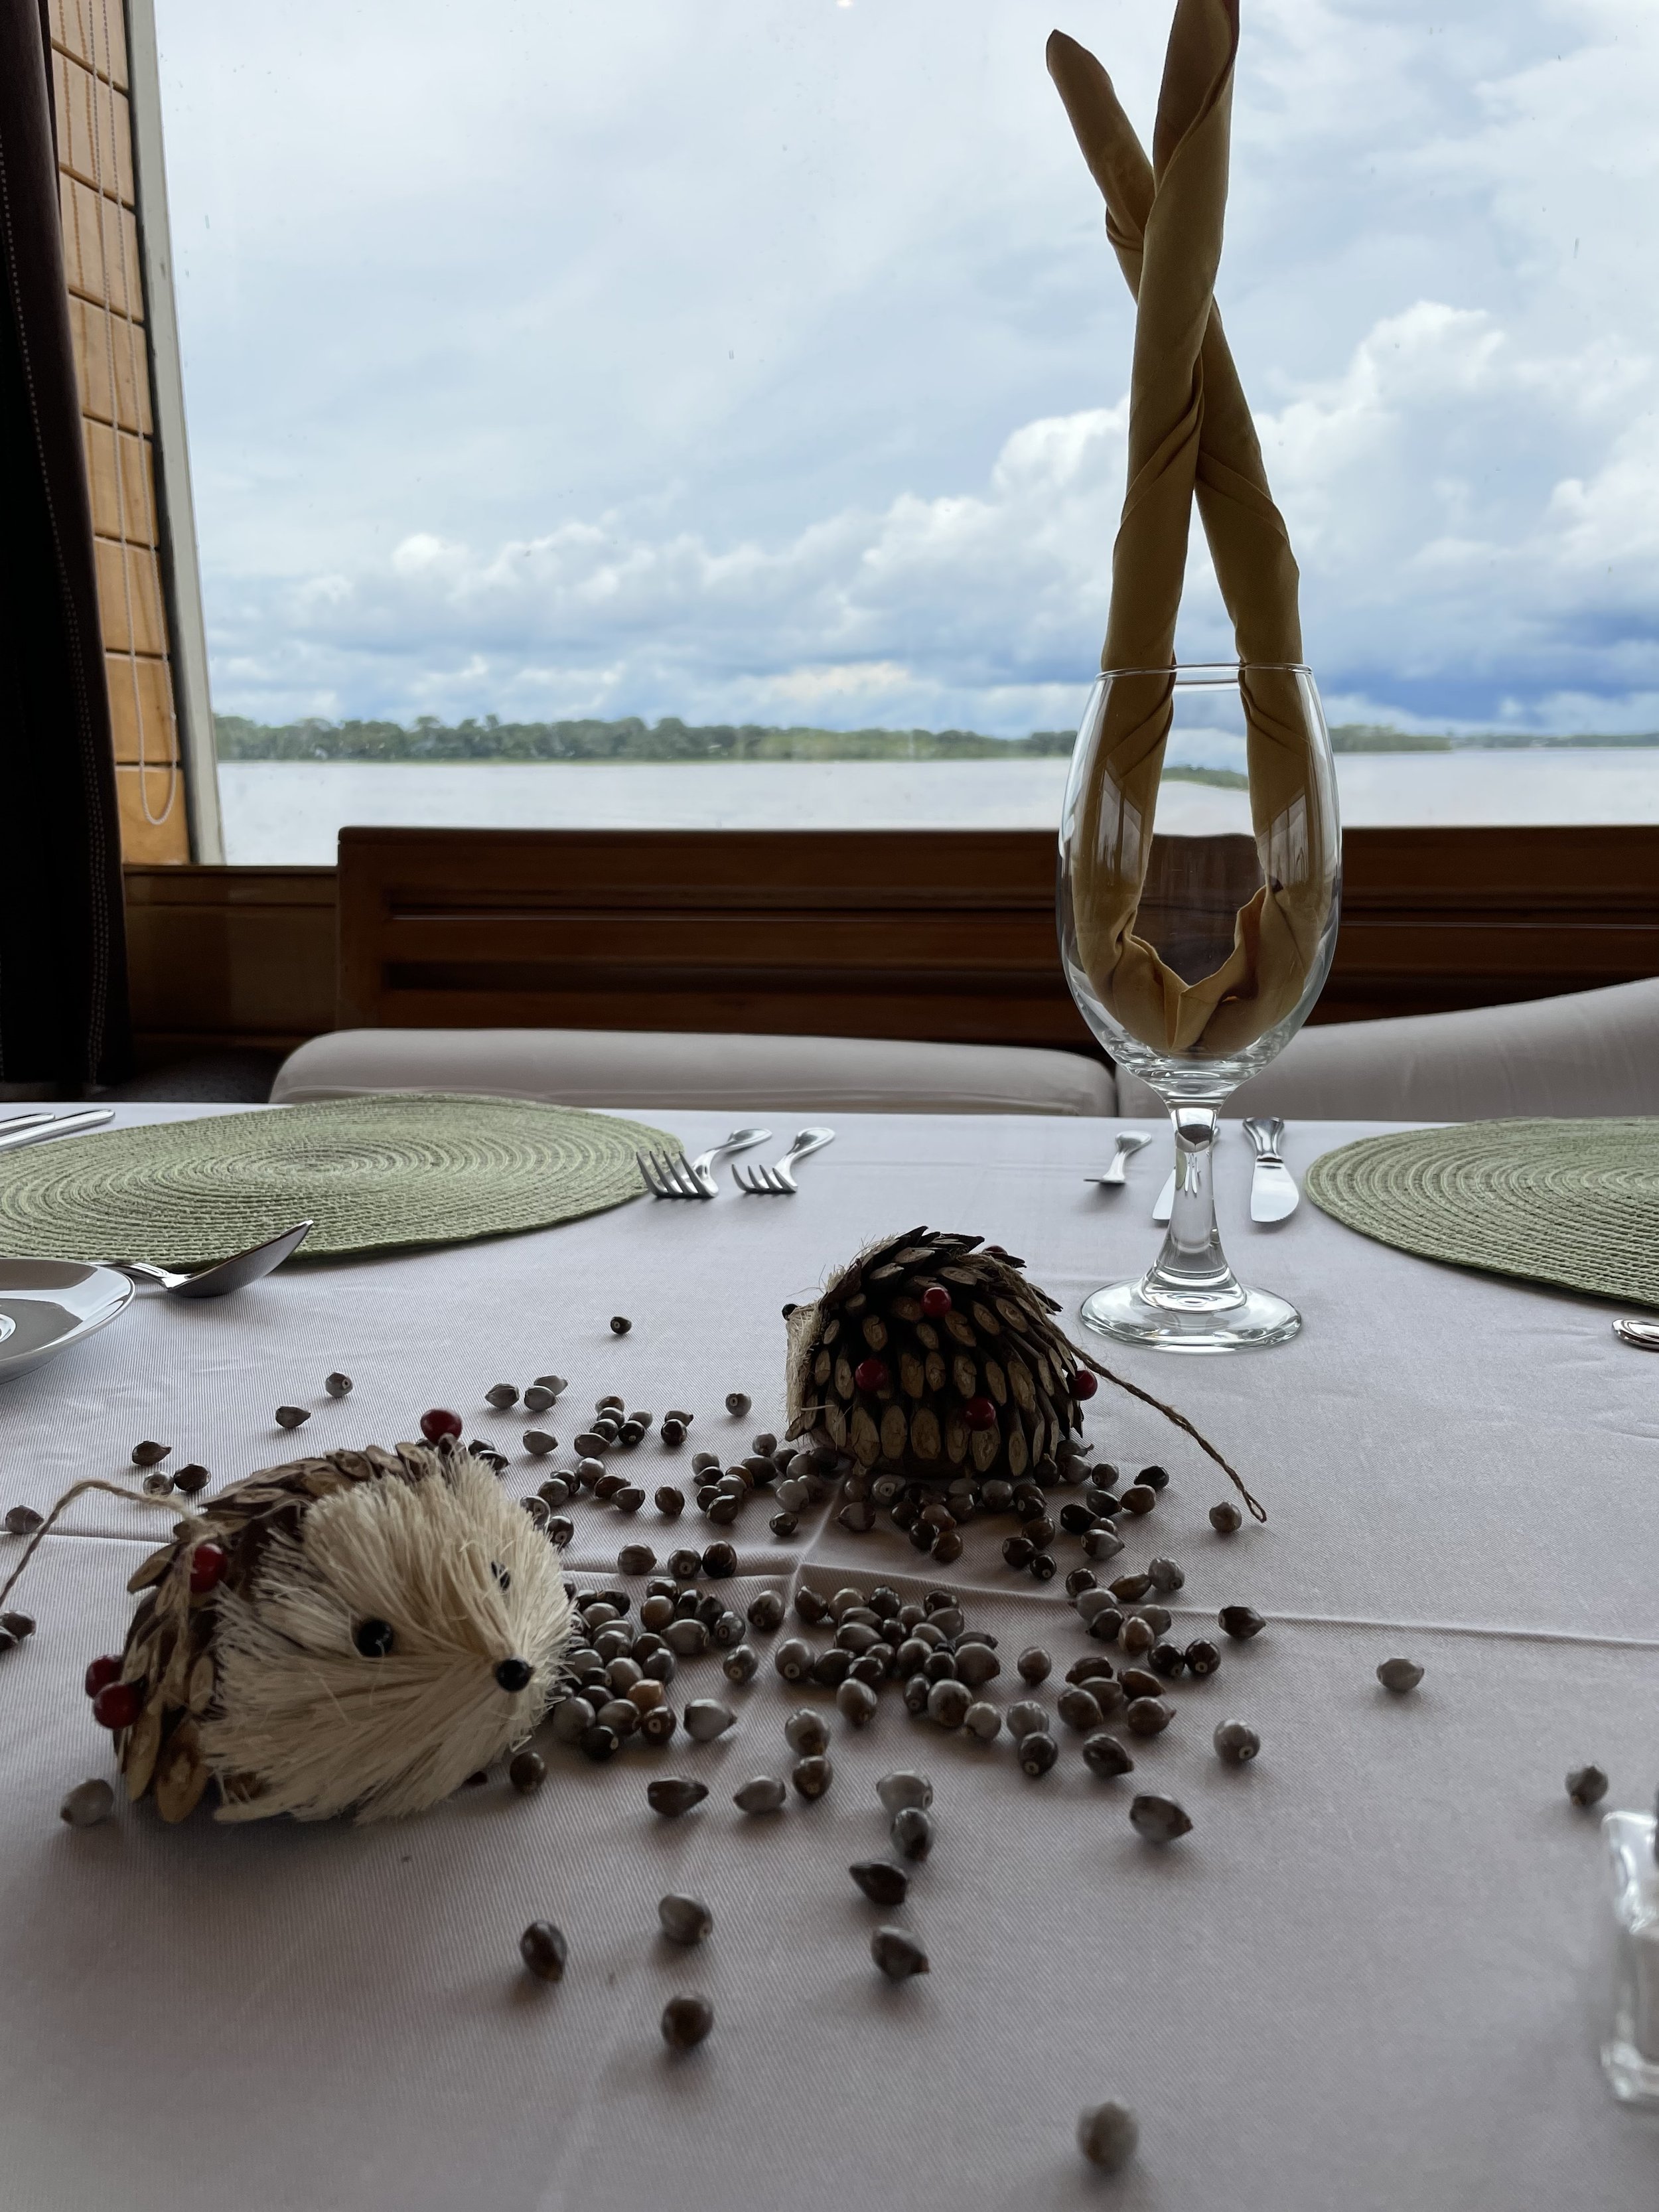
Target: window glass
715	413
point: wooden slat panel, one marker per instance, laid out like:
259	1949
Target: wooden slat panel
936	934
141	691
229	956
162	834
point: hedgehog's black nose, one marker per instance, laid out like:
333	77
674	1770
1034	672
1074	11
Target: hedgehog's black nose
514	1675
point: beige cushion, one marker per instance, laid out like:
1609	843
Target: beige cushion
1596	1052
638	1068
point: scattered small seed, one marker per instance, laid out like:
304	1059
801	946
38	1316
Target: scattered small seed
1140	1498
22	1521
912	1832
1165	1575
150	1454
1078	1710
554	1383
719	1561
705	1718
1107	2136
684	1919
1148	1715
1236	1742
192	1479
572	1718
1034	1664
897	1952
1102	1542
904	1789
793	1659
500	1395
983	1721
764	1793
740	1663
1160	1819
1400	1674
806	1732
338	1385
159	1485
1104	1755
1241	1621
882	1882
686	2021
1027	1718
538	1444
738	1403
766	1611
857	1702
811	1777
673	1429
1138	1634
17	1625
287	1417
87	1804
659	1724
1155	1478
1037	1752
544	1949
1225	1518
1587	1785
674	1794
976	1665
620	1324
527	1772
1201	1657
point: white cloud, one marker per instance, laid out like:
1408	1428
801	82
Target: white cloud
771	364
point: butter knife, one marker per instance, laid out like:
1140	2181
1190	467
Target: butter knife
34	1129
1273	1194
1164	1203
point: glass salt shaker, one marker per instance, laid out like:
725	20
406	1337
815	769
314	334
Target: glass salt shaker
1629	2057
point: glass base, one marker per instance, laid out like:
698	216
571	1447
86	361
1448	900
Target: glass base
1251	1320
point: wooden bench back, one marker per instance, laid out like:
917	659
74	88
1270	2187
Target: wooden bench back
945	934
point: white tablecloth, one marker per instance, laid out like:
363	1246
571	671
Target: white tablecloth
1371	1977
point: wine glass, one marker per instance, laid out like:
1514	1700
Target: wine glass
1196	953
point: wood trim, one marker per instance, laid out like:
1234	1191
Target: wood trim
222	956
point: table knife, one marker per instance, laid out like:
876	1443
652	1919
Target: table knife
1273	1194
27	1129
1164	1203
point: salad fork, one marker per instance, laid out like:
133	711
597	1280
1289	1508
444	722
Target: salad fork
670	1175
777	1182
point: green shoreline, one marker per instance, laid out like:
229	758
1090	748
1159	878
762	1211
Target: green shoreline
430	741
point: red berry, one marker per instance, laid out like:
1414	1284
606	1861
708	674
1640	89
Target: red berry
207	1563
1084	1385
438	1421
116	1705
871	1375
100	1672
936	1300
979	1413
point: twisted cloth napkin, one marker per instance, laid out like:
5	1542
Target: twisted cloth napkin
1190	432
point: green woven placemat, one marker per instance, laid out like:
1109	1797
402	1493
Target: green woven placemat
371	1174
1571	1203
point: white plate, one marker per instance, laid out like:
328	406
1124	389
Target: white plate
46	1305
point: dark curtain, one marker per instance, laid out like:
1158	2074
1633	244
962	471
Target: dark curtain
63	949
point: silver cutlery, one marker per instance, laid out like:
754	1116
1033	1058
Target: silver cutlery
224	1275
1127	1144
671	1175
1164	1203
1644	1334
777	1182
35	1129
1273	1194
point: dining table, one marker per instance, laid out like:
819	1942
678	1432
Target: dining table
1374	1975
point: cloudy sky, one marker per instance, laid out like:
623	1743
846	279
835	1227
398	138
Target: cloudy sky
764	359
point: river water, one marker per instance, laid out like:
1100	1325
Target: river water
284	811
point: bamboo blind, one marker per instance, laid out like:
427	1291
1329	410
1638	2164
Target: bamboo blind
111	358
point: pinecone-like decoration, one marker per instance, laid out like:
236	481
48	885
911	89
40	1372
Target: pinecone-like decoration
933	1354
357	1632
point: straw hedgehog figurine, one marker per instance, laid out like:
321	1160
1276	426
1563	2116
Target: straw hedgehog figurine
356	1634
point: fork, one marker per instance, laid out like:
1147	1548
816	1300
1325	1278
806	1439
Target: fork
777	1182
670	1175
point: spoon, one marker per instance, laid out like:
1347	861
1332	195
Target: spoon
1129	1142
1644	1334
242	1268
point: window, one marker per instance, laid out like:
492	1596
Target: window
569	383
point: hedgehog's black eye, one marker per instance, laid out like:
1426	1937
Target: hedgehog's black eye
501	1573
374	1638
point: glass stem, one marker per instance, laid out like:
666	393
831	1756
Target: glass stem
1192	1268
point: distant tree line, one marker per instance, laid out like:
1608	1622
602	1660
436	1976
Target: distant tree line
671	739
